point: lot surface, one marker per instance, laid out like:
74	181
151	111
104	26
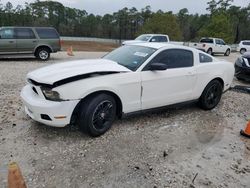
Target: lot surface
170	148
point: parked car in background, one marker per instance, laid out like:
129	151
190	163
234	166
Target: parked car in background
148	38
244	46
212	46
132	78
37	41
242	67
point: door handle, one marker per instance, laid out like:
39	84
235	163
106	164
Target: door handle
34	41
11	41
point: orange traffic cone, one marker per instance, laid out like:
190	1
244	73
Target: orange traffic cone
70	51
15	178
246	133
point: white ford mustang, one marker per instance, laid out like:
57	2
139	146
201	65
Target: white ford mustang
132	78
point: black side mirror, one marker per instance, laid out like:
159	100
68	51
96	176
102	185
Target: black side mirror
158	67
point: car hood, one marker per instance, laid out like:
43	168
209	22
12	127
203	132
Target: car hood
61	71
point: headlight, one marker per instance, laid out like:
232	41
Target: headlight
240	61
51	95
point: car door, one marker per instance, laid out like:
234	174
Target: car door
174	85
223	46
26	40
7	41
218	46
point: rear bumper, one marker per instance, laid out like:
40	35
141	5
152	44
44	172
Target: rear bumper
38	108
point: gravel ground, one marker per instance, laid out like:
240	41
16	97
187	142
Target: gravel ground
178	147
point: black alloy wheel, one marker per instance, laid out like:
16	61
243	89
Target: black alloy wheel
211	95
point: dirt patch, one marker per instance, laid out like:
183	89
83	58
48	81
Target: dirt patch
88	46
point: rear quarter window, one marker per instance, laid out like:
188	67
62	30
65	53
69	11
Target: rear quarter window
205	58
47	33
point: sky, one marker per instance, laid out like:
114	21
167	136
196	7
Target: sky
101	7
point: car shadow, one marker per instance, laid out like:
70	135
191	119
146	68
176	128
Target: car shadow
73	131
26	59
19	59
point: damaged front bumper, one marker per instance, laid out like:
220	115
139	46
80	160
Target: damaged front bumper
56	114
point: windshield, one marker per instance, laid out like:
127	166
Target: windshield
143	37
131	57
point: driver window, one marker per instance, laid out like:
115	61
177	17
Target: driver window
6	34
217	41
174	58
153	39
222	42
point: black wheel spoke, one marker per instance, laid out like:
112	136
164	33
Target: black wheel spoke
102	115
213	95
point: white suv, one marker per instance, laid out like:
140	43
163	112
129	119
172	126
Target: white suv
244	46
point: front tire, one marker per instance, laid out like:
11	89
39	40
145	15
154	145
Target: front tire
242	51
227	53
43	54
211	95
210	51
97	115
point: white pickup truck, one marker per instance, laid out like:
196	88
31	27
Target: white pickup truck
212	46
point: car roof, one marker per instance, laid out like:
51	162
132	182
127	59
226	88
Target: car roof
211	38
155	34
159	45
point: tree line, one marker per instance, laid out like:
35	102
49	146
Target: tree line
223	20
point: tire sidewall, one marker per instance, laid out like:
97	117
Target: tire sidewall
87	111
39	53
210	51
202	99
227	53
242	51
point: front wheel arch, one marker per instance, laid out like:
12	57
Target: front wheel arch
243	49
118	101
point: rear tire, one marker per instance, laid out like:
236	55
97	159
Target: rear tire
242	51
211	95
227	53
43	54
210	51
97	115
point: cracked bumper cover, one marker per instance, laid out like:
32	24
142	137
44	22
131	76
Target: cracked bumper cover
36	106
